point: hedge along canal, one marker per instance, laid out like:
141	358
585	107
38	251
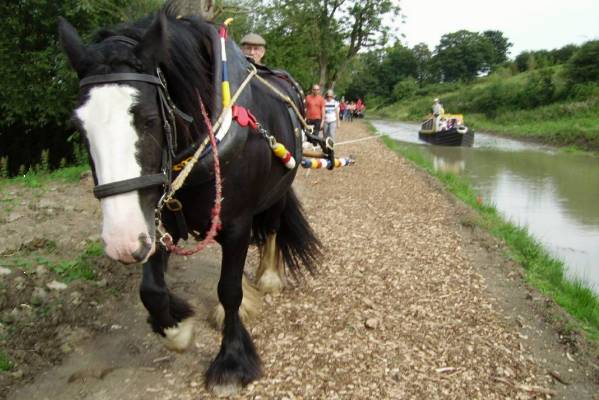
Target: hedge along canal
544	269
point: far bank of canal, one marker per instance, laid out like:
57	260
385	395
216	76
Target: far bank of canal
554	194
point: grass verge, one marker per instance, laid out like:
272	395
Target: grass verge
542	271
38	179
5	363
81	267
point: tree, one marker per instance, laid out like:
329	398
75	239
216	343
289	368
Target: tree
463	55
523	61
501	47
363	82
38	89
424	69
335	30
399	63
563	54
583	66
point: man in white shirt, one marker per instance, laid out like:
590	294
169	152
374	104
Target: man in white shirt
438	111
331	115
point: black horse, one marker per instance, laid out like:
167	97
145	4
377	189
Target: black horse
142	86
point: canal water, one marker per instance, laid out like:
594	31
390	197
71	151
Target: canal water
554	194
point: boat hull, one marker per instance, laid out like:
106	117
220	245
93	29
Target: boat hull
450	137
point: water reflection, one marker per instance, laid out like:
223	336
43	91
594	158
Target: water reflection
449	159
554	194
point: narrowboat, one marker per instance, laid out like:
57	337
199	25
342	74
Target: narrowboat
448	131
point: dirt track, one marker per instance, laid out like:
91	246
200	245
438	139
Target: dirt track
411	302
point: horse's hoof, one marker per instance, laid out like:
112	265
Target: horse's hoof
270	282
178	338
228	375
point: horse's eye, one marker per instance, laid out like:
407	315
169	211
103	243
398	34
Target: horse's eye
151	122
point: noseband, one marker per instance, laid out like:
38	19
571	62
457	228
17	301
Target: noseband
167	112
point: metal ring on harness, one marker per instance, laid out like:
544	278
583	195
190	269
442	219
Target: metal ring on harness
174	205
271	141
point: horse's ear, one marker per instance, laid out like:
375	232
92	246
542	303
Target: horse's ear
153	46
71	43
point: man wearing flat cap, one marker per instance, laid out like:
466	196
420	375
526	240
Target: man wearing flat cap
254	46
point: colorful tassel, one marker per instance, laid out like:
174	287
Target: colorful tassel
318	163
284	154
226	90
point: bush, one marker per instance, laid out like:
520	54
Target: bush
405	88
494	98
583	91
375	102
539	89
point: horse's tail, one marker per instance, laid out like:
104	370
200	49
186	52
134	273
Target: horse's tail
296	239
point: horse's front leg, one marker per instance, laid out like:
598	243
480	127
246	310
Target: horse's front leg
237	362
170	316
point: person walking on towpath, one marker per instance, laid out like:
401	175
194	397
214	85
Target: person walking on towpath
315	110
331	115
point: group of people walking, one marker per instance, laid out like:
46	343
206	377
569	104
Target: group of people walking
322	113
351	110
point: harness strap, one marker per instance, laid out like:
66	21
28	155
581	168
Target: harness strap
129	185
131	76
119	77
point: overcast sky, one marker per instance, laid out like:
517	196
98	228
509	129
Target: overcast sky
528	24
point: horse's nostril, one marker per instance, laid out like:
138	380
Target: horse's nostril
145	245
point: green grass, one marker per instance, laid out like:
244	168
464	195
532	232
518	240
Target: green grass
82	267
542	271
5	363
38	179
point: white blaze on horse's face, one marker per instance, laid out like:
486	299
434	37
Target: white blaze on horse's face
107	119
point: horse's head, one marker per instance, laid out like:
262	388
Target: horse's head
123	123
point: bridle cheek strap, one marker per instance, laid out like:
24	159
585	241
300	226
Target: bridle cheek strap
130	185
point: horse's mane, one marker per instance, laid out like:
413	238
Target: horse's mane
189	64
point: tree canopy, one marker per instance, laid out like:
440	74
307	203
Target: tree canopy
38	88
584	65
327	34
463	55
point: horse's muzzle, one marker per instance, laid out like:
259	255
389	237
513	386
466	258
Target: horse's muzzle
130	252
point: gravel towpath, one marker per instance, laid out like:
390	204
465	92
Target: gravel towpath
409	303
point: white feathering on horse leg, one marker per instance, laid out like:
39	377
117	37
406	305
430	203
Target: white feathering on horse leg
179	336
271	270
226	390
250	305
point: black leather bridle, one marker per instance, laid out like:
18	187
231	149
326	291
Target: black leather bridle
167	111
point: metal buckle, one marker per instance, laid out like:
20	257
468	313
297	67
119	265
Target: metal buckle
164	235
161	77
166	240
330	143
